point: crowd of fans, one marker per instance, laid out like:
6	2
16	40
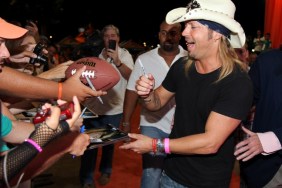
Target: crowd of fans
220	64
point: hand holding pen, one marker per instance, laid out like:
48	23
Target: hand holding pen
143	68
148	76
145	86
93	88
82	128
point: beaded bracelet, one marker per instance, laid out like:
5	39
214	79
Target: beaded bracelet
154	145
34	144
160	146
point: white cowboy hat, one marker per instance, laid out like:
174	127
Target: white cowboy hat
10	31
219	11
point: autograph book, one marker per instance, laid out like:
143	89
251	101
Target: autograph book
104	136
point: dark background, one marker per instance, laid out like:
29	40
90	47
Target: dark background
137	20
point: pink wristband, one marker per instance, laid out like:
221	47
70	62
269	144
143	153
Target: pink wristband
166	145
34	144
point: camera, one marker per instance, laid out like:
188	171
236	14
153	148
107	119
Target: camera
112	44
67	110
41	58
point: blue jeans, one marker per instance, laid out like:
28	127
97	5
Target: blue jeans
152	164
167	182
88	159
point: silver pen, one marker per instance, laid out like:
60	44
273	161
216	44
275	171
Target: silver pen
93	88
143	69
82	112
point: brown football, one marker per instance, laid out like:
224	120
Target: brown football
101	73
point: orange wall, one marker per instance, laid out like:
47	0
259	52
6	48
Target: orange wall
273	21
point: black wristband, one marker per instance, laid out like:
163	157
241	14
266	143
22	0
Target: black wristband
118	66
64	126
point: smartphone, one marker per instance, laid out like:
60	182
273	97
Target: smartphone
112	44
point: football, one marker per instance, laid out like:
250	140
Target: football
102	74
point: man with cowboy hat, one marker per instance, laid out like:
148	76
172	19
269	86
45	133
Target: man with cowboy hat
213	94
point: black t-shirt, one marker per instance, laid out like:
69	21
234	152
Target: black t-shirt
196	96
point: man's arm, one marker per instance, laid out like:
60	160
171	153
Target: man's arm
157	98
18	84
130	101
218	128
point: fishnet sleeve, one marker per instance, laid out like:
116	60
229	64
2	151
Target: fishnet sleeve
17	159
45	134
20	156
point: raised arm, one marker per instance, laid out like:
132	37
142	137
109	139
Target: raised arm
152	99
18	84
130	102
218	128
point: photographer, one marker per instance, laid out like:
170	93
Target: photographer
33	65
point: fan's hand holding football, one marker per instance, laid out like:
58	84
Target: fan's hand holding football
145	85
73	86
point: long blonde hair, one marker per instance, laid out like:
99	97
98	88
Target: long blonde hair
228	57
